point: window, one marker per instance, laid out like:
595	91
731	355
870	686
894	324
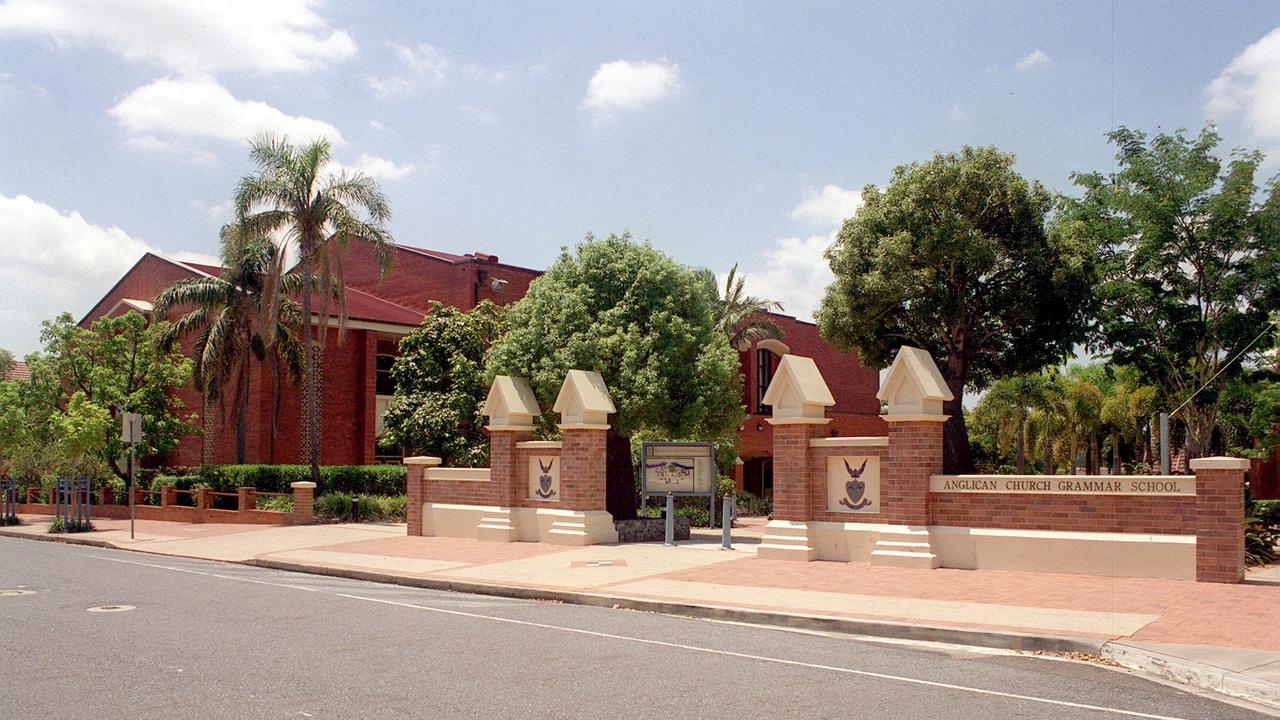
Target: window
764	374
382	383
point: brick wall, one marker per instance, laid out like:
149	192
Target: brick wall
818	457
1077	513
791	470
522	499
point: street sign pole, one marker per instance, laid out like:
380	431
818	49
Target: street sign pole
131	433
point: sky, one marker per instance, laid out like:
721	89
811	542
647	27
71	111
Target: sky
722	133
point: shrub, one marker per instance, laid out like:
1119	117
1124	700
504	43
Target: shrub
1259	542
750	505
693	508
274	503
69	526
370	508
360	479
1266	512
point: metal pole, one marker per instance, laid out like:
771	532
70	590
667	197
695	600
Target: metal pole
1164	443
671	520
132	493
711	510
726	520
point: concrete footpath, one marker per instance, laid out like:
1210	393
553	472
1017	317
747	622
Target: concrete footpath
1224	638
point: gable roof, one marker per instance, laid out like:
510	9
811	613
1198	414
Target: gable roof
514	393
801	373
917	364
589	389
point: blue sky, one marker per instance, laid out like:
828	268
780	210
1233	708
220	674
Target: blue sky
721	132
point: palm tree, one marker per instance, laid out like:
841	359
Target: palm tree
296	193
1083	407
237	317
742	319
1008	404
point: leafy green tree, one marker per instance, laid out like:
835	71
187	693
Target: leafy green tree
741	317
6	362
648	325
1191	249
1250	413
440	385
954	256
242	316
296	193
69	413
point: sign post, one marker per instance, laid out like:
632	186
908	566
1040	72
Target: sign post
131	433
679	468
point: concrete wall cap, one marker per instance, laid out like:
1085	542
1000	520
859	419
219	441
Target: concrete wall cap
539	444
798	381
798	421
422	460
303	485
1220	463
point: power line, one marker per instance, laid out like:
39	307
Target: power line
1222	369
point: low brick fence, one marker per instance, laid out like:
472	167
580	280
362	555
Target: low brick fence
885	500
166	504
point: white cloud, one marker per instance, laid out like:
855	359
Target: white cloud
828	207
160	115
217	213
378	168
1250	87
957	113
795	273
1031	60
425	63
626	85
52	261
190	37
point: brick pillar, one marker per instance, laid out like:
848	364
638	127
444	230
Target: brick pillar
1219	518
739	474
504	472
167	496
791	471
201	503
304	495
915	454
415	491
582	467
246	499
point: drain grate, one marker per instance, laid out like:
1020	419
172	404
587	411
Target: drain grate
110	608
16	593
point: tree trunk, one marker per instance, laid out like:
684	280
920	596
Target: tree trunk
1116	467
1049	469
1071	459
309	382
1020	456
619	477
957	458
1095	460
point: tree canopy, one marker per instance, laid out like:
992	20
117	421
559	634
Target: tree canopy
1191	261
648	325
955	256
440	385
67	417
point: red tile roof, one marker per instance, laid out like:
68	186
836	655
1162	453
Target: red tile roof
19	371
363	306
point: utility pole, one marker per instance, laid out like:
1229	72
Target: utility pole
131	433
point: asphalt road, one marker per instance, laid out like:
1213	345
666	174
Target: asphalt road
212	641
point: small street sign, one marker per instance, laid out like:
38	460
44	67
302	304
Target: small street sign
130	427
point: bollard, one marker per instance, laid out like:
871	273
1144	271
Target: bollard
726	522
671	520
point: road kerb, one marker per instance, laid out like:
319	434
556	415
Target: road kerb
1195	674
1027	642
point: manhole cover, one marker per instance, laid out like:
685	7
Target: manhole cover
111	608
15	593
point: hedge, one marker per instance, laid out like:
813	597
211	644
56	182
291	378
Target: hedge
359	479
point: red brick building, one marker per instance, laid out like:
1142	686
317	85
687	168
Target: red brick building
382	309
